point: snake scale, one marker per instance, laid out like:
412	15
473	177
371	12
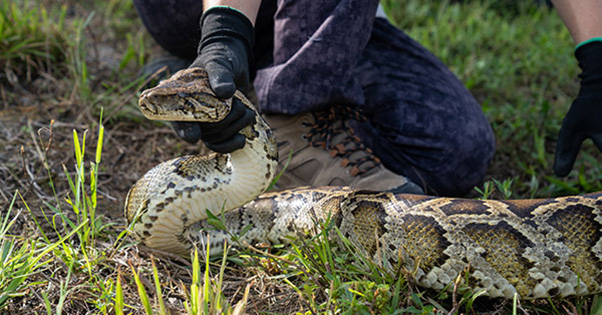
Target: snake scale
535	248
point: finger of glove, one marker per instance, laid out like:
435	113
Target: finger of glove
230	130
188	131
234	143
221	79
567	149
236	112
243	83
597	138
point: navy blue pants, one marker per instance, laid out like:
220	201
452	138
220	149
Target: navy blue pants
422	122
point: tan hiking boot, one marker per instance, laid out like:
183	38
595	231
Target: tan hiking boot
325	152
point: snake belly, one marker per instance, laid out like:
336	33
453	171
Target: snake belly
534	248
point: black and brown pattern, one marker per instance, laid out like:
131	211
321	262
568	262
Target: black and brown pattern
580	226
369	219
536	248
425	242
503	248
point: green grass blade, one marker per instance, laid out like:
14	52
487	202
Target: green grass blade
206	282
142	292
162	309
119	302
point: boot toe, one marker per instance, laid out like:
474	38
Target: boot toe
407	188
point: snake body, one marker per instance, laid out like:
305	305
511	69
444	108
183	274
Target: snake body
534	248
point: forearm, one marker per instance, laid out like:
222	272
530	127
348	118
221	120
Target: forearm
248	7
583	18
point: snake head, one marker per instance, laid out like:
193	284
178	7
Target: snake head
185	96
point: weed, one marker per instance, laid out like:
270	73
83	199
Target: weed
31	39
489	187
22	258
516	59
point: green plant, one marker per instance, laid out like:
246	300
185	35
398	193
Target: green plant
22	258
84	203
490	186
77	239
206	297
78	66
31	38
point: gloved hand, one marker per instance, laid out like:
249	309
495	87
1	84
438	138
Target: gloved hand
584	118
227	38
221	136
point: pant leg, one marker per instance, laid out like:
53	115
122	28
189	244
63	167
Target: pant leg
423	122
174	24
317	44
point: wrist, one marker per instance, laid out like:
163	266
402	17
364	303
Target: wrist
223	23
594	39
589	55
227	8
249	8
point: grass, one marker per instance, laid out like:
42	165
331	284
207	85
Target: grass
33	38
71	67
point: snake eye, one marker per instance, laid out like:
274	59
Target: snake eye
151	97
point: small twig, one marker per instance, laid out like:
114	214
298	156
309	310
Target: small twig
455	303
36	188
36	145
50	137
106	193
573	310
23	160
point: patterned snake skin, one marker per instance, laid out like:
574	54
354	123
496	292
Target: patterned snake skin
535	248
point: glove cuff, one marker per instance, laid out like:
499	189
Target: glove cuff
222	23
589	55
594	39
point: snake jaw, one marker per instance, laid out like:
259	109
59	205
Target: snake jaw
146	105
183	101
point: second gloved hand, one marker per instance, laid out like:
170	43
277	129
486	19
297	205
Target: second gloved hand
584	118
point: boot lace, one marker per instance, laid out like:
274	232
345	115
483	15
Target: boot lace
331	132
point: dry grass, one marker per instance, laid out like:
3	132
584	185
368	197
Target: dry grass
77	61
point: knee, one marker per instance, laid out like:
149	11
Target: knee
466	159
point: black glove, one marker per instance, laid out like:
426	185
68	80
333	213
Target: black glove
584	118
221	136
227	38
